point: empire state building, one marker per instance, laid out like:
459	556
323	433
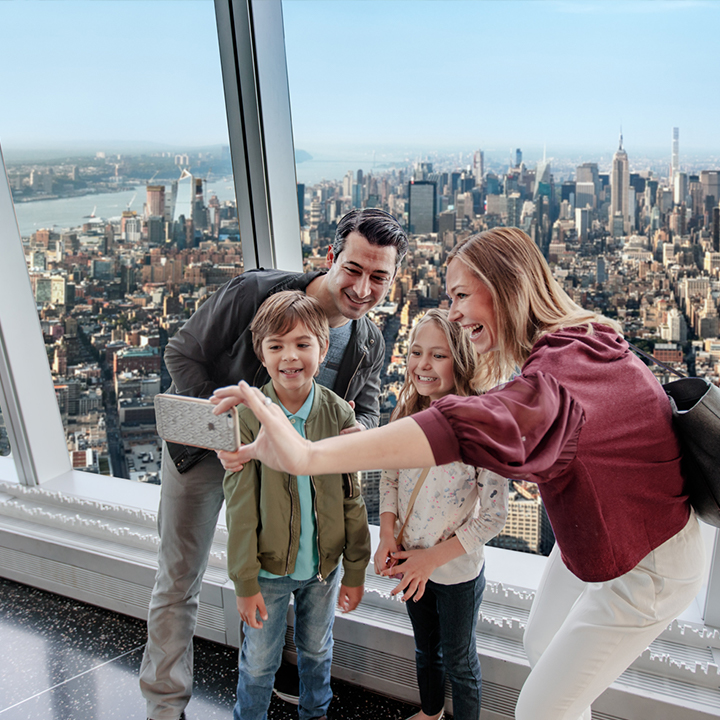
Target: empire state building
620	193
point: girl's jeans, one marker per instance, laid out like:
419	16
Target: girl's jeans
444	622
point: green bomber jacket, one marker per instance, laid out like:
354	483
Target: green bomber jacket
263	507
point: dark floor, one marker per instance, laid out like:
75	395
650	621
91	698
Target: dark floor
64	660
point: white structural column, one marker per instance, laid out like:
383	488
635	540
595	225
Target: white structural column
257	98
31	412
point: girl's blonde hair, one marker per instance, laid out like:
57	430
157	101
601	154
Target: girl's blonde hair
527	300
463	356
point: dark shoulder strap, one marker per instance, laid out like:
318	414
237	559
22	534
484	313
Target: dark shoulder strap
655	360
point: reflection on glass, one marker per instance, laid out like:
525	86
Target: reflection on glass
122	246
4	439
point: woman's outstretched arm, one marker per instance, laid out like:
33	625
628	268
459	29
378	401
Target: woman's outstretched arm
397	445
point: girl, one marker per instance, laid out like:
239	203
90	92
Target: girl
457	510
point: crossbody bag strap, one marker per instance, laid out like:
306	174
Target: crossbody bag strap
655	360
413	497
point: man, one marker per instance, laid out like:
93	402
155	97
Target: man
214	349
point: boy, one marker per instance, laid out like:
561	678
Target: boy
286	534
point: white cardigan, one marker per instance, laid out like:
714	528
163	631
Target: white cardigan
455	499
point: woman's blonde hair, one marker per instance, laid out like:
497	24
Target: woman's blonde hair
527	300
463	356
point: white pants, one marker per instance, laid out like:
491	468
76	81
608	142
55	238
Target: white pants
580	636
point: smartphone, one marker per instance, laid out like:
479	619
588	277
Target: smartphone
190	421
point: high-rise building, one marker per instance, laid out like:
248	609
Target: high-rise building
542	179
422	205
675	166
301	202
676	328
518	157
680	187
620	190
514	209
130	226
600	272
478	166
527	528
710	181
582	223
155	203
585	195
199	211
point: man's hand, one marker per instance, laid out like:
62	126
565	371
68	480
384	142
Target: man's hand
249	607
230	460
350	597
357	427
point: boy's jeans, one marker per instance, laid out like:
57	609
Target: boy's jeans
262	649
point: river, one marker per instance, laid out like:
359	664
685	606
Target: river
62	214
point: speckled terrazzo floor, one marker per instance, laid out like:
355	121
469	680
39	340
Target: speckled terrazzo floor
65	660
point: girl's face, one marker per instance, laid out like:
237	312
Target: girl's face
472	306
430	363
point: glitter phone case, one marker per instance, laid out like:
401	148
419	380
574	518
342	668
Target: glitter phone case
190	421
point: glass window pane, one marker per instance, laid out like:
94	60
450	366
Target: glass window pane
414	108
120	170
4	439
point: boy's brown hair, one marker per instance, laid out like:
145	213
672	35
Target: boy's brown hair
281	312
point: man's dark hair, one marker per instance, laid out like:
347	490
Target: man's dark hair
376	226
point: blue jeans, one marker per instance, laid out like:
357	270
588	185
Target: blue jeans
261	651
444	622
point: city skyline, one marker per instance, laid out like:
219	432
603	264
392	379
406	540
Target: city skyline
392	77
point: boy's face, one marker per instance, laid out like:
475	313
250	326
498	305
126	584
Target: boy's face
292	361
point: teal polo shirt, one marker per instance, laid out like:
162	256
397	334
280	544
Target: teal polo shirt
307	563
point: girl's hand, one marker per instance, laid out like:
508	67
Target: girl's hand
416	569
382	557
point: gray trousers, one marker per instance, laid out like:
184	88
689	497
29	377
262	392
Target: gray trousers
189	507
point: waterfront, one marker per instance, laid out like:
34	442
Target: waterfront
62	214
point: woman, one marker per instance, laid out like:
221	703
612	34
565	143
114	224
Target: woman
588	422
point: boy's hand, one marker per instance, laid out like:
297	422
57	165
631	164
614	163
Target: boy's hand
249	607
350	597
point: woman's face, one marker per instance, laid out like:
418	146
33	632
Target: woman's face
472	306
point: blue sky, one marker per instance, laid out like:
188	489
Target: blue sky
428	74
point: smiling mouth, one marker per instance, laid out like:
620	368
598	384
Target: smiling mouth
292	373
425	378
474	331
356	300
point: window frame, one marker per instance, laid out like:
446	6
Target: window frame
250	34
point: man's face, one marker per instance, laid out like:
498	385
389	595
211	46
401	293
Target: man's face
360	277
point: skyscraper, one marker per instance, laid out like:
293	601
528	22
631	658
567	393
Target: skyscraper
680	187
478	166
199	211
301	202
155	204
620	190
675	166
423	201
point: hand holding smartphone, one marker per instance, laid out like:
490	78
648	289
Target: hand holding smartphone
190	421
